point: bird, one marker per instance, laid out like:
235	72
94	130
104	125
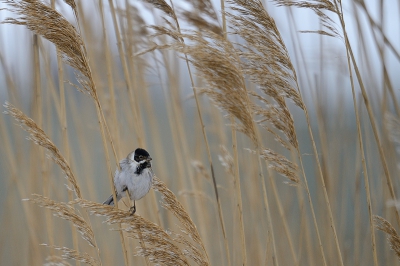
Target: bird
135	176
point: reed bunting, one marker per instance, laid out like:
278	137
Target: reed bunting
135	175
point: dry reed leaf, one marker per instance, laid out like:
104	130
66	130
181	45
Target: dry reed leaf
172	204
200	169
393	237
322	32
160	247
280	164
39	137
75	255
66	212
56	261
48	23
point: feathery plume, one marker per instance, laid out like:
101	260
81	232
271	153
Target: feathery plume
393	237
203	16
39	137
164	7
75	255
226	160
48	23
267	64
191	251
216	61
280	164
66	212
172	204
200	169
55	261
318	6
160	247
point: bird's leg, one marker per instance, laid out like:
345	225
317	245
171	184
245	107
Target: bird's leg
133	208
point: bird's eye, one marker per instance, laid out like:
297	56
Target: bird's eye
140	157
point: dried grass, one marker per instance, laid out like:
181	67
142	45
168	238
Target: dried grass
226	160
392	235
172	204
282	165
75	255
319	7
39	137
66	212
47	22
159	246
216	61
56	261
200	169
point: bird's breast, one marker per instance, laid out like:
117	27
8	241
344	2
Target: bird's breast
139	185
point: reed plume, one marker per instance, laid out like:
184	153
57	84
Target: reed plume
39	137
47	22
172	204
56	261
66	212
160	247
75	255
392	235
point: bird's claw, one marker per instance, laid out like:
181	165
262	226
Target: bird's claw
132	210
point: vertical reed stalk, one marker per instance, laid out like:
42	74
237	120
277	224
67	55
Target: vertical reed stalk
269	219
364	165
283	219
369	109
238	192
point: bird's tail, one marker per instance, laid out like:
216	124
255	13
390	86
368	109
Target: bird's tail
109	201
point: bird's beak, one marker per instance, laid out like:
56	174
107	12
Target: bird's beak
149	159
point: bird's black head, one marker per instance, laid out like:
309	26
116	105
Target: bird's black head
141	154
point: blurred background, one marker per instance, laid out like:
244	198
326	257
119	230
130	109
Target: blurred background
160	114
